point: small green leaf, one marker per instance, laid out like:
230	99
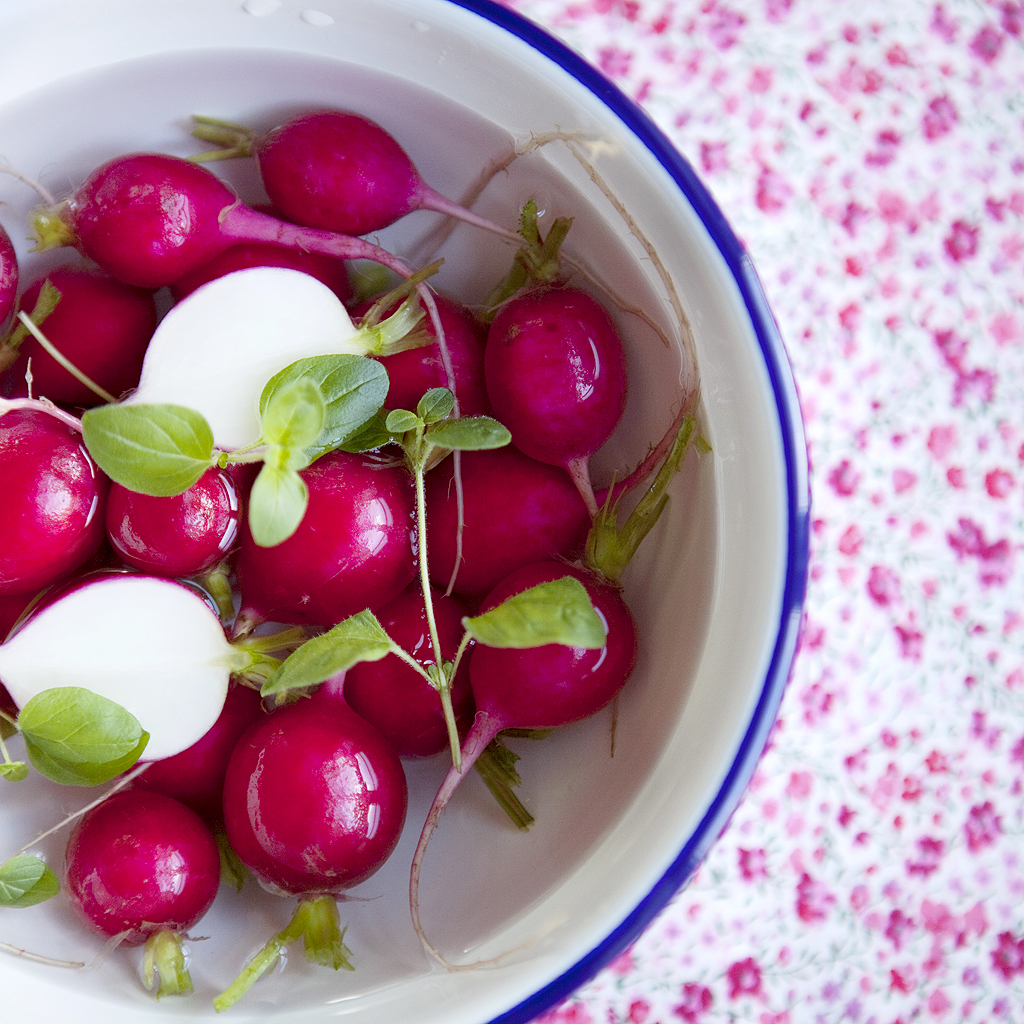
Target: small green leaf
14	771
353	389
556	612
435	405
277	504
76	737
358	638
160	450
400	421
471	433
25	881
294	414
371	435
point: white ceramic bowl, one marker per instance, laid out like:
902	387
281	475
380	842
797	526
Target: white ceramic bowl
717	588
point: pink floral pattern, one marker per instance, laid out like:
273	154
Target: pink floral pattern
871	157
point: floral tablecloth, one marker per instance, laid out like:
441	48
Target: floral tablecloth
871	157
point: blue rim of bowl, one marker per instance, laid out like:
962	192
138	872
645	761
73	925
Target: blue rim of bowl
797	490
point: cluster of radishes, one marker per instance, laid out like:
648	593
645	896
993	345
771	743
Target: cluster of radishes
276	539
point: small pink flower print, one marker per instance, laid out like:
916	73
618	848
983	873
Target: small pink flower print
903	480
930	853
1017	753
776	10
962	241
639	1011
851	540
942	440
817	702
799	785
725	28
813	900
570	1012
1008	956
901	980
883	586
939	118
772	191
911	642
996	558
697	1000
898	927
843	479
614	62
744	978
982	827
1012	21
713	157
938	1003
761	78
987	44
943	25
753	864
998	483
887	142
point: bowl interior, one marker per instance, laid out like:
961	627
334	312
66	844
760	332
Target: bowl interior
616	798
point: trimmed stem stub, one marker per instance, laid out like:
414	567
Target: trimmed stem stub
317	922
164	965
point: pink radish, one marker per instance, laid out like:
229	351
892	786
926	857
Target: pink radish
330	271
143	868
314	803
556	377
150	218
414	372
52	495
352	550
8	276
99	324
516	511
183	535
534	688
390	695
338	170
195	777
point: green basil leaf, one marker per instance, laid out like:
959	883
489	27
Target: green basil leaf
25	881
556	612
400	421
14	771
435	405
72	773
371	435
160	450
358	638
471	433
294	414
277	503
77	737
353	390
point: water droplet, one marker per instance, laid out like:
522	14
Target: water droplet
317	18
261	8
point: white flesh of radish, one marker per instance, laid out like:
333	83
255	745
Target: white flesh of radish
151	645
216	349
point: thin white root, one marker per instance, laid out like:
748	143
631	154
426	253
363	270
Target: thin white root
38	958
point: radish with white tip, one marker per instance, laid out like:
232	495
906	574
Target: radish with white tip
151	645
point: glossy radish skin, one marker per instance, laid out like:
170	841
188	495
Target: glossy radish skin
414	372
52	496
8	276
330	271
150	218
195	777
556	375
183	535
517	511
340	171
100	325
140	863
314	799
534	688
352	550
394	697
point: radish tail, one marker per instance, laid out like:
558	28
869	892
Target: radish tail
484	729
